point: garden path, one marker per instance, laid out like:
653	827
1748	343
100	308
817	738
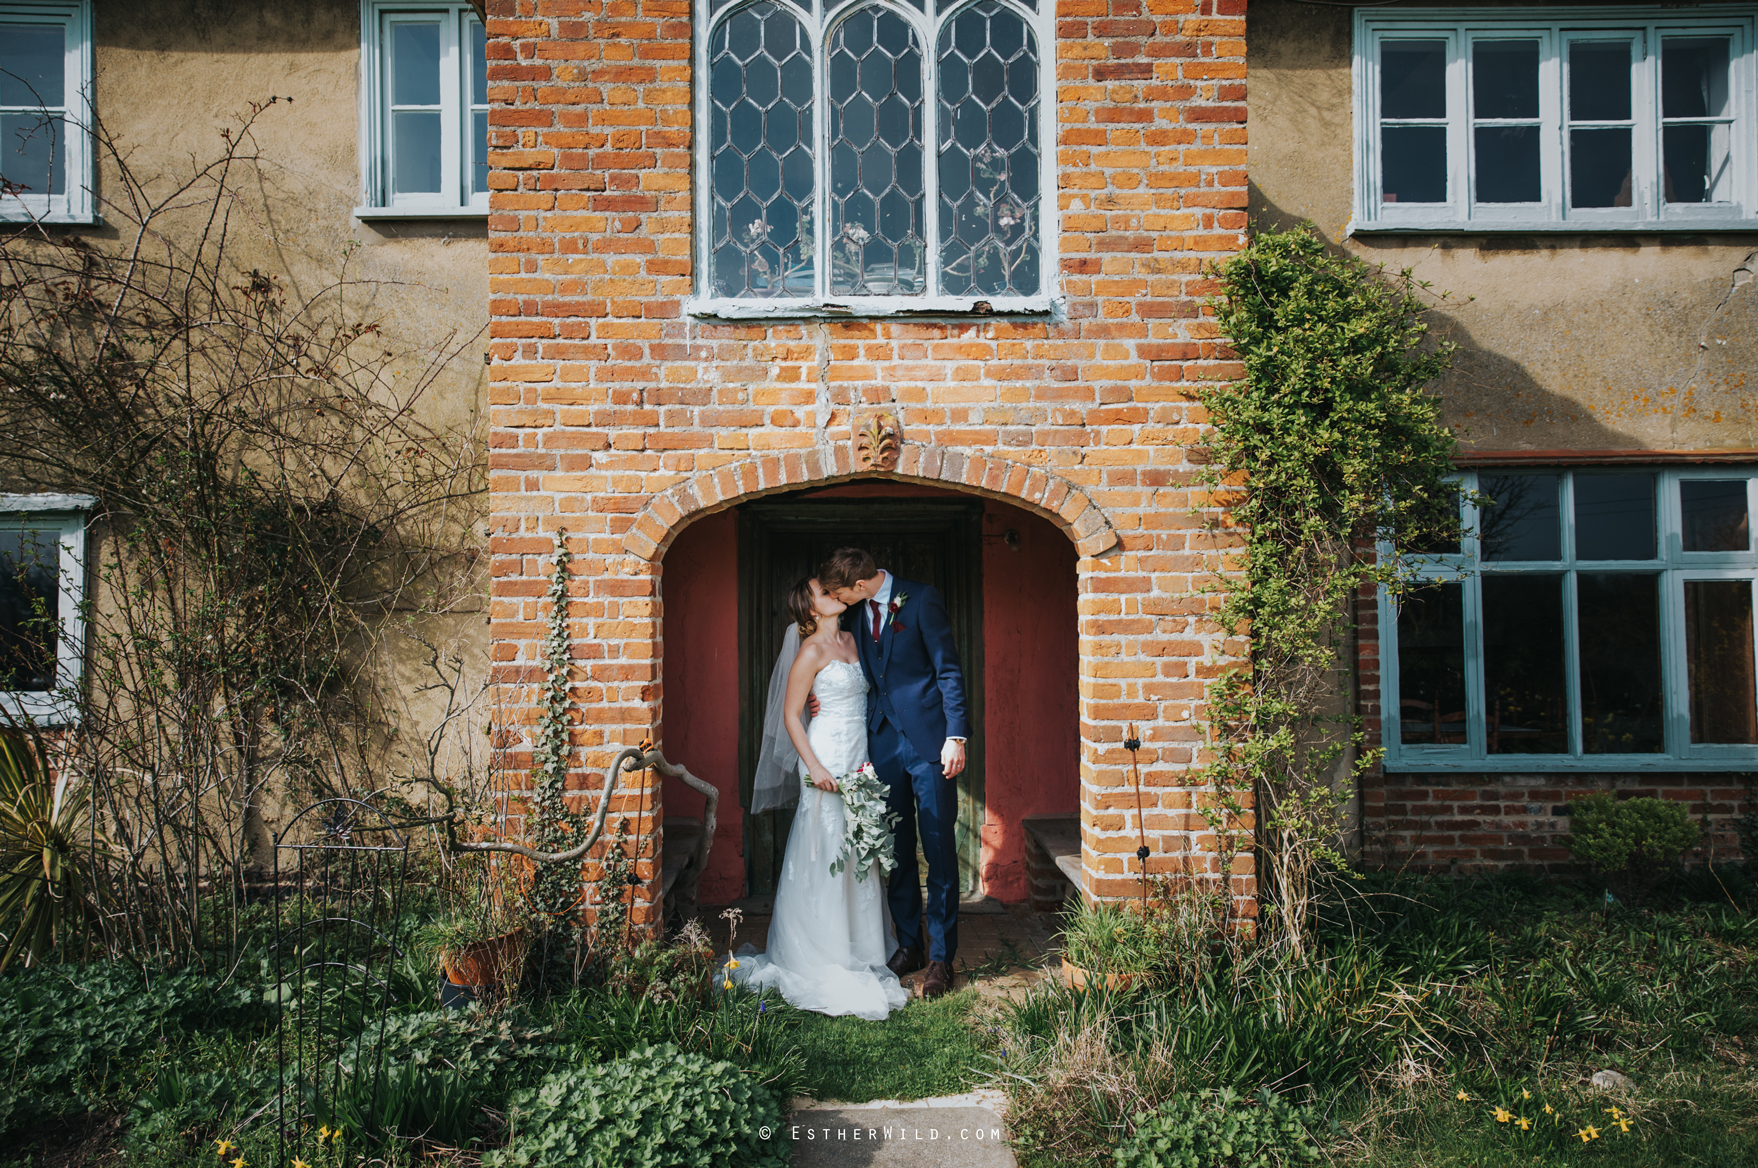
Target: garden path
952	1131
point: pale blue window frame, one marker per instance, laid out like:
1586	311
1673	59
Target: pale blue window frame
1555	29
1673	565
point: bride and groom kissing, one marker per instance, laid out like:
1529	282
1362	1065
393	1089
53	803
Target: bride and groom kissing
868	675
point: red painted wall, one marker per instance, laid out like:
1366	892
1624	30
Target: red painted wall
1031	682
701	592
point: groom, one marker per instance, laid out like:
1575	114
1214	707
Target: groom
917	723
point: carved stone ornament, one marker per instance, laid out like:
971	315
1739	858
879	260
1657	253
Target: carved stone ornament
877	441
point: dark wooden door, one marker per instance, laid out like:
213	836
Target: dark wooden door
936	541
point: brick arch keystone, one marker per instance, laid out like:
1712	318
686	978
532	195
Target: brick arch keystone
1033	488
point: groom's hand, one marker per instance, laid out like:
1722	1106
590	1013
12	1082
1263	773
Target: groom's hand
952	758
812	704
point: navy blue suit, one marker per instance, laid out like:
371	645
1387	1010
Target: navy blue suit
916	701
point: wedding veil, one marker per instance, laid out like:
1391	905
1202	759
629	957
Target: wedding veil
777	781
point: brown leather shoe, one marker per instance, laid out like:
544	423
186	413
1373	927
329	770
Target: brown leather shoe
938	981
906	961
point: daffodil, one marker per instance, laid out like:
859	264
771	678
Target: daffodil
727	984
1462	1096
1523	1123
1548	1110
298	1163
1624	1123
1503	1115
1588	1133
323	1133
238	1163
221	1147
1525	1094
1614	1113
732	963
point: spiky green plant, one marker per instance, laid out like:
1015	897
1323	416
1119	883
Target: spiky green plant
45	852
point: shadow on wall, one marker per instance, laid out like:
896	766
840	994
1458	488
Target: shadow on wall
1492	401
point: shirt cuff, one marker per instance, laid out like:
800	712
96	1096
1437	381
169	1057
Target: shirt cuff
951	738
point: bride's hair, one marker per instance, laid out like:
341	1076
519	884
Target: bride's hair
799	606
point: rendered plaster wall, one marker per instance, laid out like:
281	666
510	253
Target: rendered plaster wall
620	418
1567	342
169	76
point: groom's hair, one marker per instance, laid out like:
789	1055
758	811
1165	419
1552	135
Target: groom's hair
846	567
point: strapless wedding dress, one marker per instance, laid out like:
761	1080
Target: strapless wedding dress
830	936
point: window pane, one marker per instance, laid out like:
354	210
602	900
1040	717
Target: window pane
33	65
1693	77
1504	79
1698	164
1524	522
1413	79
30	600
876	191
760	91
1431	665
415	63
478	64
1599	81
30	153
1599	168
415	152
988	154
1614	517
1525	702
479	168
1507	165
1413	164
1436	528
1619	636
1718	658
1714	515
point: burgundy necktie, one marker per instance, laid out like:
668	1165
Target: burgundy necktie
876	614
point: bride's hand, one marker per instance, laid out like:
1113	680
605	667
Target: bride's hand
823	780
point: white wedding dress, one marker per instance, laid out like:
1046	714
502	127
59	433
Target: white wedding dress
830	936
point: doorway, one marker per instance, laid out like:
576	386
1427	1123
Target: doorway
937	541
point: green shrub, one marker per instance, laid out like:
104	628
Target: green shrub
1221	1129
1630	843
656	1107
1170	940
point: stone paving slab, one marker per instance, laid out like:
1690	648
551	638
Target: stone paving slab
955	1131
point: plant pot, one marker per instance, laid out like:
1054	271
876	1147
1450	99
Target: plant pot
486	963
1077	978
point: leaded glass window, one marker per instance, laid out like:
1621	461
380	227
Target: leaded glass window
872	154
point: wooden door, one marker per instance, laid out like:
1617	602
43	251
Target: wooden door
932	540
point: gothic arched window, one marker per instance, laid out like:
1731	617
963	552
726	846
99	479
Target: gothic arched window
872	155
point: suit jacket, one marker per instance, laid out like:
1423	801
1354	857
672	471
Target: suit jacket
913	670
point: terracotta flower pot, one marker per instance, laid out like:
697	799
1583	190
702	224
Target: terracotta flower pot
1077	978
486	963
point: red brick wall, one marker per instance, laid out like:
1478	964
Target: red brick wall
1478	822
618	416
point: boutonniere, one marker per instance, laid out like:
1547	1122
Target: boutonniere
898	601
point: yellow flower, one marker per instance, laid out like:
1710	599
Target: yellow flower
1523	1123
1462	1096
727	984
1503	1115
732	963
1614	1113
1548	1110
298	1163
238	1163
1588	1133
1623	1124
323	1133
1525	1094
222	1146
335	1135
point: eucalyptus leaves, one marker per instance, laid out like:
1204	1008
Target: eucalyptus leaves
868	838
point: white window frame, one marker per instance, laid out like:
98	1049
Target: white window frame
75	204
1671	564
63	519
455	199
1555	28
819	18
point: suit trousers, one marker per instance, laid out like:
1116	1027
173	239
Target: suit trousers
926	803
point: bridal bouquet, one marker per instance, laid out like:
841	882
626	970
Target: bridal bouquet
868	837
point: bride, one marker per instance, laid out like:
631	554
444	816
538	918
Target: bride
830	935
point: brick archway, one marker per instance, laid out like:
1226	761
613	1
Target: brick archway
1037	490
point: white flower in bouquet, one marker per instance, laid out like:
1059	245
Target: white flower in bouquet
867	839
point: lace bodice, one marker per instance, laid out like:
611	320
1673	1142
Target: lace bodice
839	733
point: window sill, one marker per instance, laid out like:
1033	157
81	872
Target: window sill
60	219
1549	227
877	306
1541	764
370	213
47	503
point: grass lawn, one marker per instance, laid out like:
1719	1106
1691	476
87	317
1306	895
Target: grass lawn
924	1049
